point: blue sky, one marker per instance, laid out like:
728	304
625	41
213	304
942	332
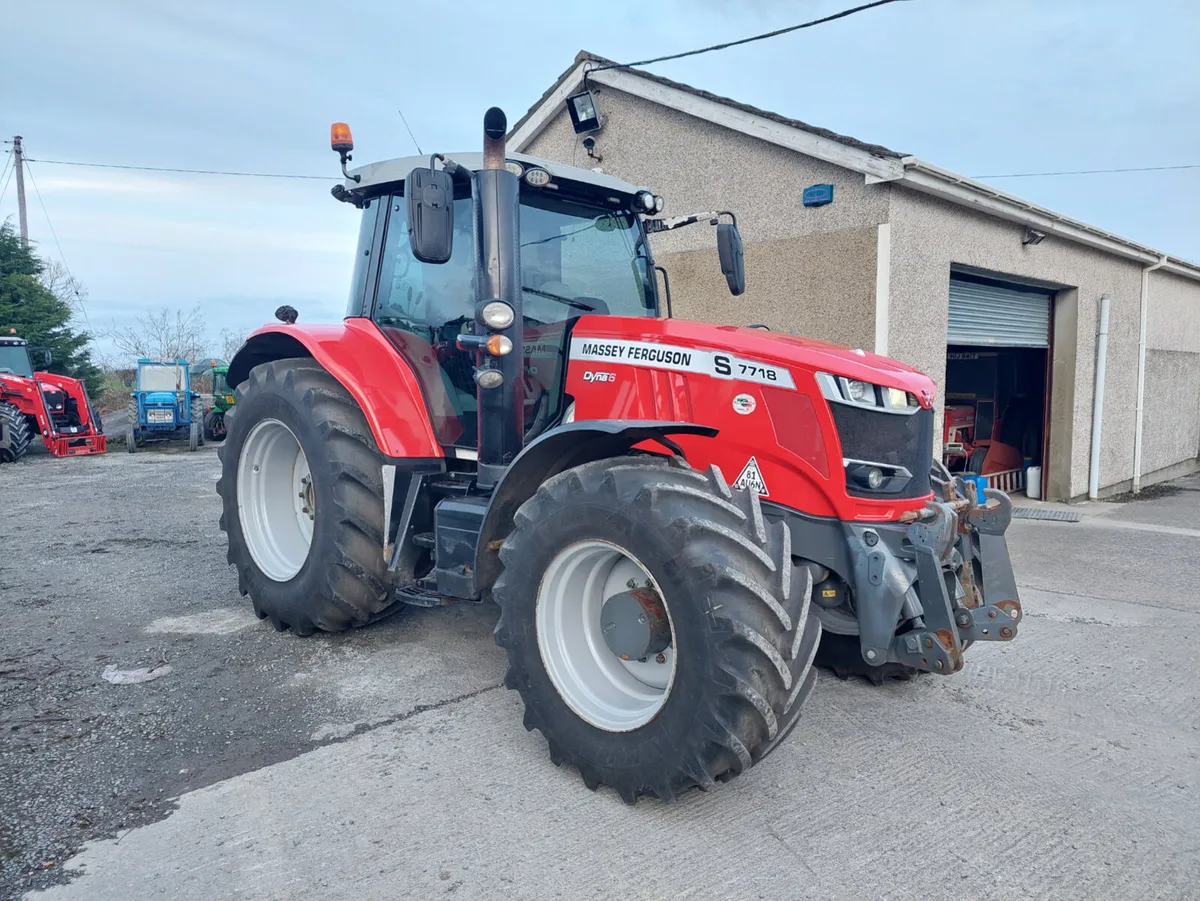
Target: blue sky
976	86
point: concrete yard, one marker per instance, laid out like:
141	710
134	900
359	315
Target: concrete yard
392	763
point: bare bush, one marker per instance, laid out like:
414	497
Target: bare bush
164	335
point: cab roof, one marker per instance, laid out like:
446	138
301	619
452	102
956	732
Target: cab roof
12	340
391	171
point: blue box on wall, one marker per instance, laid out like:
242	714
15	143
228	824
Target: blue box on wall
818	195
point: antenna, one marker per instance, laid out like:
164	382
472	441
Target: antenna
409	130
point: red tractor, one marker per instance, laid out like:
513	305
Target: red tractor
41	403
672	516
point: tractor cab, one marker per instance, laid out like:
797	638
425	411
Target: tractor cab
582	249
162	388
14	357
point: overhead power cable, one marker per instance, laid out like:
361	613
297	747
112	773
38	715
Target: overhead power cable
58	244
1091	171
6	176
758	37
185	171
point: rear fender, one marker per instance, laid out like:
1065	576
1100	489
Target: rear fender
567	446
358	355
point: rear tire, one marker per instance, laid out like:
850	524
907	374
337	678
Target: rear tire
343	582
19	433
742	638
214	425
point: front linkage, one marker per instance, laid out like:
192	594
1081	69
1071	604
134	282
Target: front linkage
943	570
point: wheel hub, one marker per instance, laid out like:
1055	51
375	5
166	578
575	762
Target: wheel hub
635	624
276	500
619	678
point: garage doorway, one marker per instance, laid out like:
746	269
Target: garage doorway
998	361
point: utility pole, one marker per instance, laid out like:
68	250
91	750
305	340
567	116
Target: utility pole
19	166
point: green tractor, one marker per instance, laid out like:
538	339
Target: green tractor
223	400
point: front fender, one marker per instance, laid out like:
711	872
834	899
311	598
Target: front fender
558	450
357	354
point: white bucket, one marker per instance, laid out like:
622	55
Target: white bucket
1033	482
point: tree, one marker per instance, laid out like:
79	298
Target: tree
38	314
230	342
164	335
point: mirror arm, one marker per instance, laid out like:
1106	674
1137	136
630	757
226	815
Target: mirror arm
654	226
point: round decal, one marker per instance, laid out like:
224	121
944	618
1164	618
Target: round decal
744	404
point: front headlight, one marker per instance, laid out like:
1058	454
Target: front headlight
841	389
860	392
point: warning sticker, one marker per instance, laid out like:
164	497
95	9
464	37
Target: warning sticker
714	363
751	479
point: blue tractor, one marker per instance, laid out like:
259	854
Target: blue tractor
163	406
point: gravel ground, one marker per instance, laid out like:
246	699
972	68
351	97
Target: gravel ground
1063	765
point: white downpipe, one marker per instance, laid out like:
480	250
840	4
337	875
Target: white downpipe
1141	376
883	286
1098	399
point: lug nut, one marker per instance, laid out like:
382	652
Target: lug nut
661	658
872	654
632	583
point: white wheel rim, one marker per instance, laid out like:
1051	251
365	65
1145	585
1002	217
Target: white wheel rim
275	500
607	692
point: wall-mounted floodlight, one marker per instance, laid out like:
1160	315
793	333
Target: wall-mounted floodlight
1032	236
582	107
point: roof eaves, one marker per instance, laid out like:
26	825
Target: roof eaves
584	56
964	191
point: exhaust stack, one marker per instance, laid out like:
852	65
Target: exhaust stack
502	408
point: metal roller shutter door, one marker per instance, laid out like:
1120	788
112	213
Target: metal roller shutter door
987	314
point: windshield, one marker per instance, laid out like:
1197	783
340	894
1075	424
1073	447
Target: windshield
161	378
576	258
220	385
14	360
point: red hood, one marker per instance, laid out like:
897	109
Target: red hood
783	350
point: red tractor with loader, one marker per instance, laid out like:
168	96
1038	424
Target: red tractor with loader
55	407
674	518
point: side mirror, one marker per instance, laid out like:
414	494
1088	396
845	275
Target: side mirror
729	249
429	198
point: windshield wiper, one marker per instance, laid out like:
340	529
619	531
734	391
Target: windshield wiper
578	304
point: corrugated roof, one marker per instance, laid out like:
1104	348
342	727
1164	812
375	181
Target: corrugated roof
585	56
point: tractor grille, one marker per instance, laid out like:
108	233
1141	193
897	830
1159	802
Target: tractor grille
893	438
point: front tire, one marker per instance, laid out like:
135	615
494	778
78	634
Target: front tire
197	411
742	642
19	433
296	419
